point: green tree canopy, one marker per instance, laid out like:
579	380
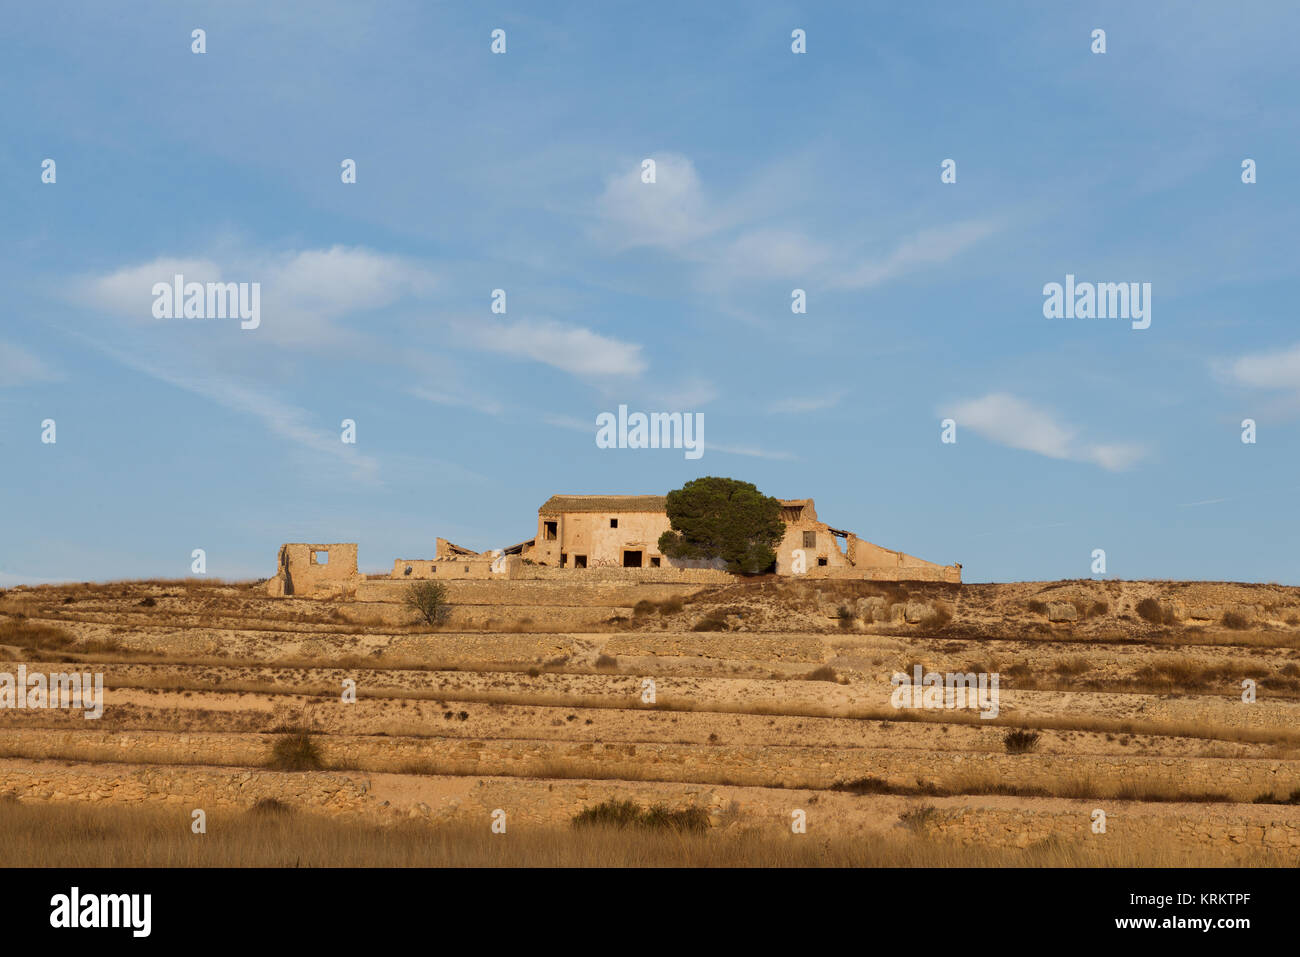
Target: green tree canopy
723	518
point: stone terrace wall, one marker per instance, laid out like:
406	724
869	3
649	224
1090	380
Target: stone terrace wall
187	787
1243	779
553	803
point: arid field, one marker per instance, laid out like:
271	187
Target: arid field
609	722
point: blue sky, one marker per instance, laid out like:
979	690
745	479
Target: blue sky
774	171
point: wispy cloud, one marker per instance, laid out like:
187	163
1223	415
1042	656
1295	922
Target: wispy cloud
1018	424
676	214
797	405
570	348
472	400
570	422
751	451
303	293
280	418
926	248
20	367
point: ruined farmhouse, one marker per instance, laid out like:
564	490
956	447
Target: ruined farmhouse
609	535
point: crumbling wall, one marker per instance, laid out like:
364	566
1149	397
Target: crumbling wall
813	549
315	571
477	565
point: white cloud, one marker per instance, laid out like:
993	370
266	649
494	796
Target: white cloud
1014	422
128	292
20	367
303	293
572	349
670	212
341	280
774	254
691	394
926	248
1266	370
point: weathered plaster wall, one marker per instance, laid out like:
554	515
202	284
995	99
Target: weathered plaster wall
300	573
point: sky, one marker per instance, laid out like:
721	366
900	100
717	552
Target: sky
774	170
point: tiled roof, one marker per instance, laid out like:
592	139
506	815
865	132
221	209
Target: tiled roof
602	503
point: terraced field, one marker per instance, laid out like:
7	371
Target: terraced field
751	708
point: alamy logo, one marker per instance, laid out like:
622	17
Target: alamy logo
657	430
103	910
57	690
930	689
179	299
1102	300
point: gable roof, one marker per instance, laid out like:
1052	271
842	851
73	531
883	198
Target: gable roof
557	504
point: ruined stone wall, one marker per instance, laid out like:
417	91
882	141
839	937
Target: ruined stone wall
558	586
822	554
300	571
484	566
824	547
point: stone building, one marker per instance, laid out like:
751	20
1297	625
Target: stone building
622	531
581	532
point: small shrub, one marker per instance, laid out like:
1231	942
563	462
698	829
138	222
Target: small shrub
1071	667
147	602
642	608
671	606
845	615
681	820
939	615
1235	620
919	819
824	673
710	623
607	662
429	600
624	814
867	785
1037	607
1098	608
270	807
295	751
611	813
1149	609
26	634
110	645
1021	741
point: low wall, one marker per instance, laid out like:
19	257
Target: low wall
553	803
900	573
1242	779
574	591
